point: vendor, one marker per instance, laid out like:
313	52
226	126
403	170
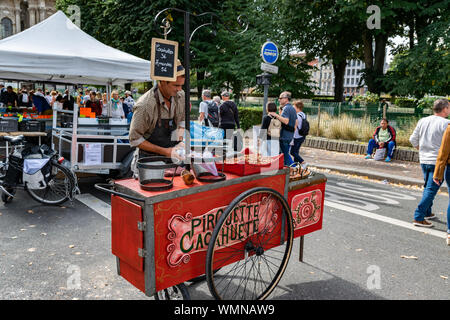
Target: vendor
158	119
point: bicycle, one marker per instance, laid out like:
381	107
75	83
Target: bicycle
37	169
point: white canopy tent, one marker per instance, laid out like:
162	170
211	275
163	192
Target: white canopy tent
56	50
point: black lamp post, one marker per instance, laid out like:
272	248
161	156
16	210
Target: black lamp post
187	40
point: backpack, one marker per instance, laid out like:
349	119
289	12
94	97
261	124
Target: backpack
304	130
274	128
213	113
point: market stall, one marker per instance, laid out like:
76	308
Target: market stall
74	57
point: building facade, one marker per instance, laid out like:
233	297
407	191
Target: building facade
323	77
18	15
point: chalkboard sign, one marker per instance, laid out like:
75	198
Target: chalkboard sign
164	60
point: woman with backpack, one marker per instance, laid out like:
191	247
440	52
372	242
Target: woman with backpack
271	126
299	134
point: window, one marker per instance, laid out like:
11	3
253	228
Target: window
6	28
353	81
353	72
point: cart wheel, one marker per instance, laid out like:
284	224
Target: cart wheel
177	292
247	247
7	199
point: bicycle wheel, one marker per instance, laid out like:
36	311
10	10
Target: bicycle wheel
59	187
177	292
246	248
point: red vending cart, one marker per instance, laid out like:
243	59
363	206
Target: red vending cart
242	227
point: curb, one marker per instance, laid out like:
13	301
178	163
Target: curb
353	147
388	177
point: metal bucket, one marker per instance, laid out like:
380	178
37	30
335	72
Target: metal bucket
200	167
151	172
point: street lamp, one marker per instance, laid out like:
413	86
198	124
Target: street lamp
187	39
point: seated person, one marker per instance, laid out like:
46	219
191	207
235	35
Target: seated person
384	137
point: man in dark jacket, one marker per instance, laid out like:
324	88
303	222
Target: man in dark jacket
228	113
383	137
229	118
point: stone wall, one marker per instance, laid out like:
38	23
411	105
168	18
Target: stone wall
400	153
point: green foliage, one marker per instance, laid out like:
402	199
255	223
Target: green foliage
402	102
249	117
424	68
220	57
367	98
427	102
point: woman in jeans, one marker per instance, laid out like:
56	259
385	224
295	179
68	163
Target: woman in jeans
442	171
298	139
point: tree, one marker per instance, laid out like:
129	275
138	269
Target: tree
323	28
424	68
220	58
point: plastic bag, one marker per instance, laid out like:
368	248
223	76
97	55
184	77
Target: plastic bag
380	154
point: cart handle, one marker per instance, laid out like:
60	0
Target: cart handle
105	187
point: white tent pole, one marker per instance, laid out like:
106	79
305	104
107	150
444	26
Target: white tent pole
108	92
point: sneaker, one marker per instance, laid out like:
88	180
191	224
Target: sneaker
388	159
368	157
432	216
423	223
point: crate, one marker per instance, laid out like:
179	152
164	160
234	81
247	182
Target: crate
32	126
246	169
9	124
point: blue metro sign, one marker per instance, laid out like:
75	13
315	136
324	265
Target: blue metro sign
269	52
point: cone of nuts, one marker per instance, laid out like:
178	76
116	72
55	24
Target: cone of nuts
188	177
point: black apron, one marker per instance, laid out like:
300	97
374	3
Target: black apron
162	134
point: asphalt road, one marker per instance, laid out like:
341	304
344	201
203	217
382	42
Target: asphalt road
367	249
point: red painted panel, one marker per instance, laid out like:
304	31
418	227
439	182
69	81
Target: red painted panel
307	208
126	238
135	277
183	228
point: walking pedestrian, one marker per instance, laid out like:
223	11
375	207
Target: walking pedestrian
427	137
203	108
270	132
442	171
287	118
229	118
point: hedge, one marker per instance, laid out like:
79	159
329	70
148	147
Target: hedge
405	102
249	117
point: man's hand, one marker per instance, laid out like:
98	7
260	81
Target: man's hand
173	153
273	114
438	182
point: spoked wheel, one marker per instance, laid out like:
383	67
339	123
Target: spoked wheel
178	292
5	197
58	189
250	246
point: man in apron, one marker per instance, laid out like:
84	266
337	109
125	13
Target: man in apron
158	122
